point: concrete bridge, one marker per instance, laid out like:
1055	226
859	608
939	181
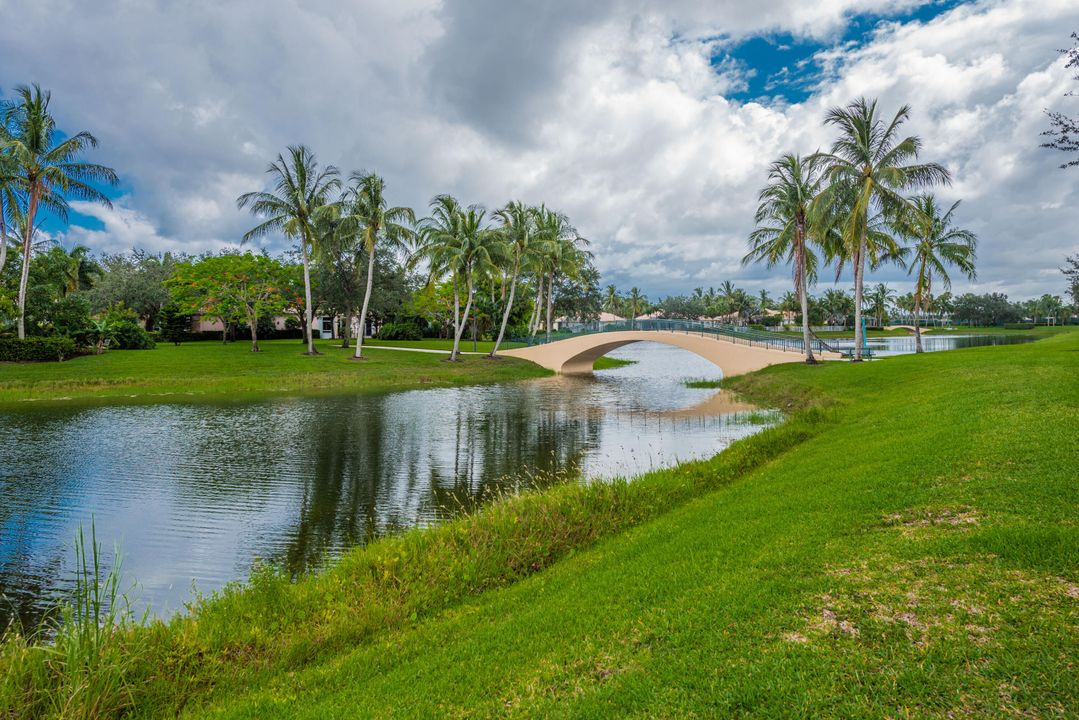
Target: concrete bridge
734	350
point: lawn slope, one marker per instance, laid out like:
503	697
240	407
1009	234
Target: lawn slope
208	369
918	555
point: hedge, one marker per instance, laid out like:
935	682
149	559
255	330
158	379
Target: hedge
1018	326
36	349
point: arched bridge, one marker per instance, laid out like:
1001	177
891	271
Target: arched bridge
736	350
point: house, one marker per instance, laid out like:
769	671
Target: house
325	327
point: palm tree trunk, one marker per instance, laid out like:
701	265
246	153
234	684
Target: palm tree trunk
803	299
550	303
464	317
346	331
533	323
253	322
859	273
24	272
918	291
456	314
307	296
3	233
366	300
506	312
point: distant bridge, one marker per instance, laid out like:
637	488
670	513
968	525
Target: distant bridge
734	349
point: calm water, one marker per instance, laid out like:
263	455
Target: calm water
931	342
194	493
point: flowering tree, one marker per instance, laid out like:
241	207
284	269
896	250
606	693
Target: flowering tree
231	288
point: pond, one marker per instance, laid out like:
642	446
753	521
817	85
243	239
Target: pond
195	493
931	342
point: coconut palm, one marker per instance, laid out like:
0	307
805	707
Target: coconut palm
301	198
937	244
788	222
519	231
367	214
635	301
868	169
612	303
560	254
879	298
47	170
437	239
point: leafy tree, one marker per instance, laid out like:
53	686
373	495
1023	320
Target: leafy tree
988	310
868	168
47	169
301	196
1071	272
137	280
232	288
879	298
1064	129
937	245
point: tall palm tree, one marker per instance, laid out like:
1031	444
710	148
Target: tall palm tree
937	244
636	301
519	231
868	168
368	215
787	223
47	170
437	243
301	197
560	255
611	301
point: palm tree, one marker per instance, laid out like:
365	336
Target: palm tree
611	301
937	244
519	230
880	297
559	255
868	169
47	171
368	215
299	201
786	205
636	302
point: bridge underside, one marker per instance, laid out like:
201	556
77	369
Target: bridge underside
576	355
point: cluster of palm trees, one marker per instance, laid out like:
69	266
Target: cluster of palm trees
40	171
849	207
465	245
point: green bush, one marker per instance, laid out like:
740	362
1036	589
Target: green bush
771	320
400	331
1018	326
36	349
124	331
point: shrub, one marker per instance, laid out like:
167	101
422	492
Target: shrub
771	320
36	349
1018	326
400	331
129	335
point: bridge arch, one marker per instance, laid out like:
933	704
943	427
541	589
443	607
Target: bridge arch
576	355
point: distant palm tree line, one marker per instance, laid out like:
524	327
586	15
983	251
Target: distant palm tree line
465	245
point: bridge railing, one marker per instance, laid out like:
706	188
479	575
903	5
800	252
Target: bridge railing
739	334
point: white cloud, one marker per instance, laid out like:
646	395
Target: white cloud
610	110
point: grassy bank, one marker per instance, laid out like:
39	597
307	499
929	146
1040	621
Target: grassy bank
906	544
214	369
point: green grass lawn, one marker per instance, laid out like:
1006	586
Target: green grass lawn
906	544
214	369
918	556
441	344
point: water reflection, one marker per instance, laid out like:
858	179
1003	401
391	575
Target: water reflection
932	342
196	492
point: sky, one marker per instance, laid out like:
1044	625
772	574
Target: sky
651	124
